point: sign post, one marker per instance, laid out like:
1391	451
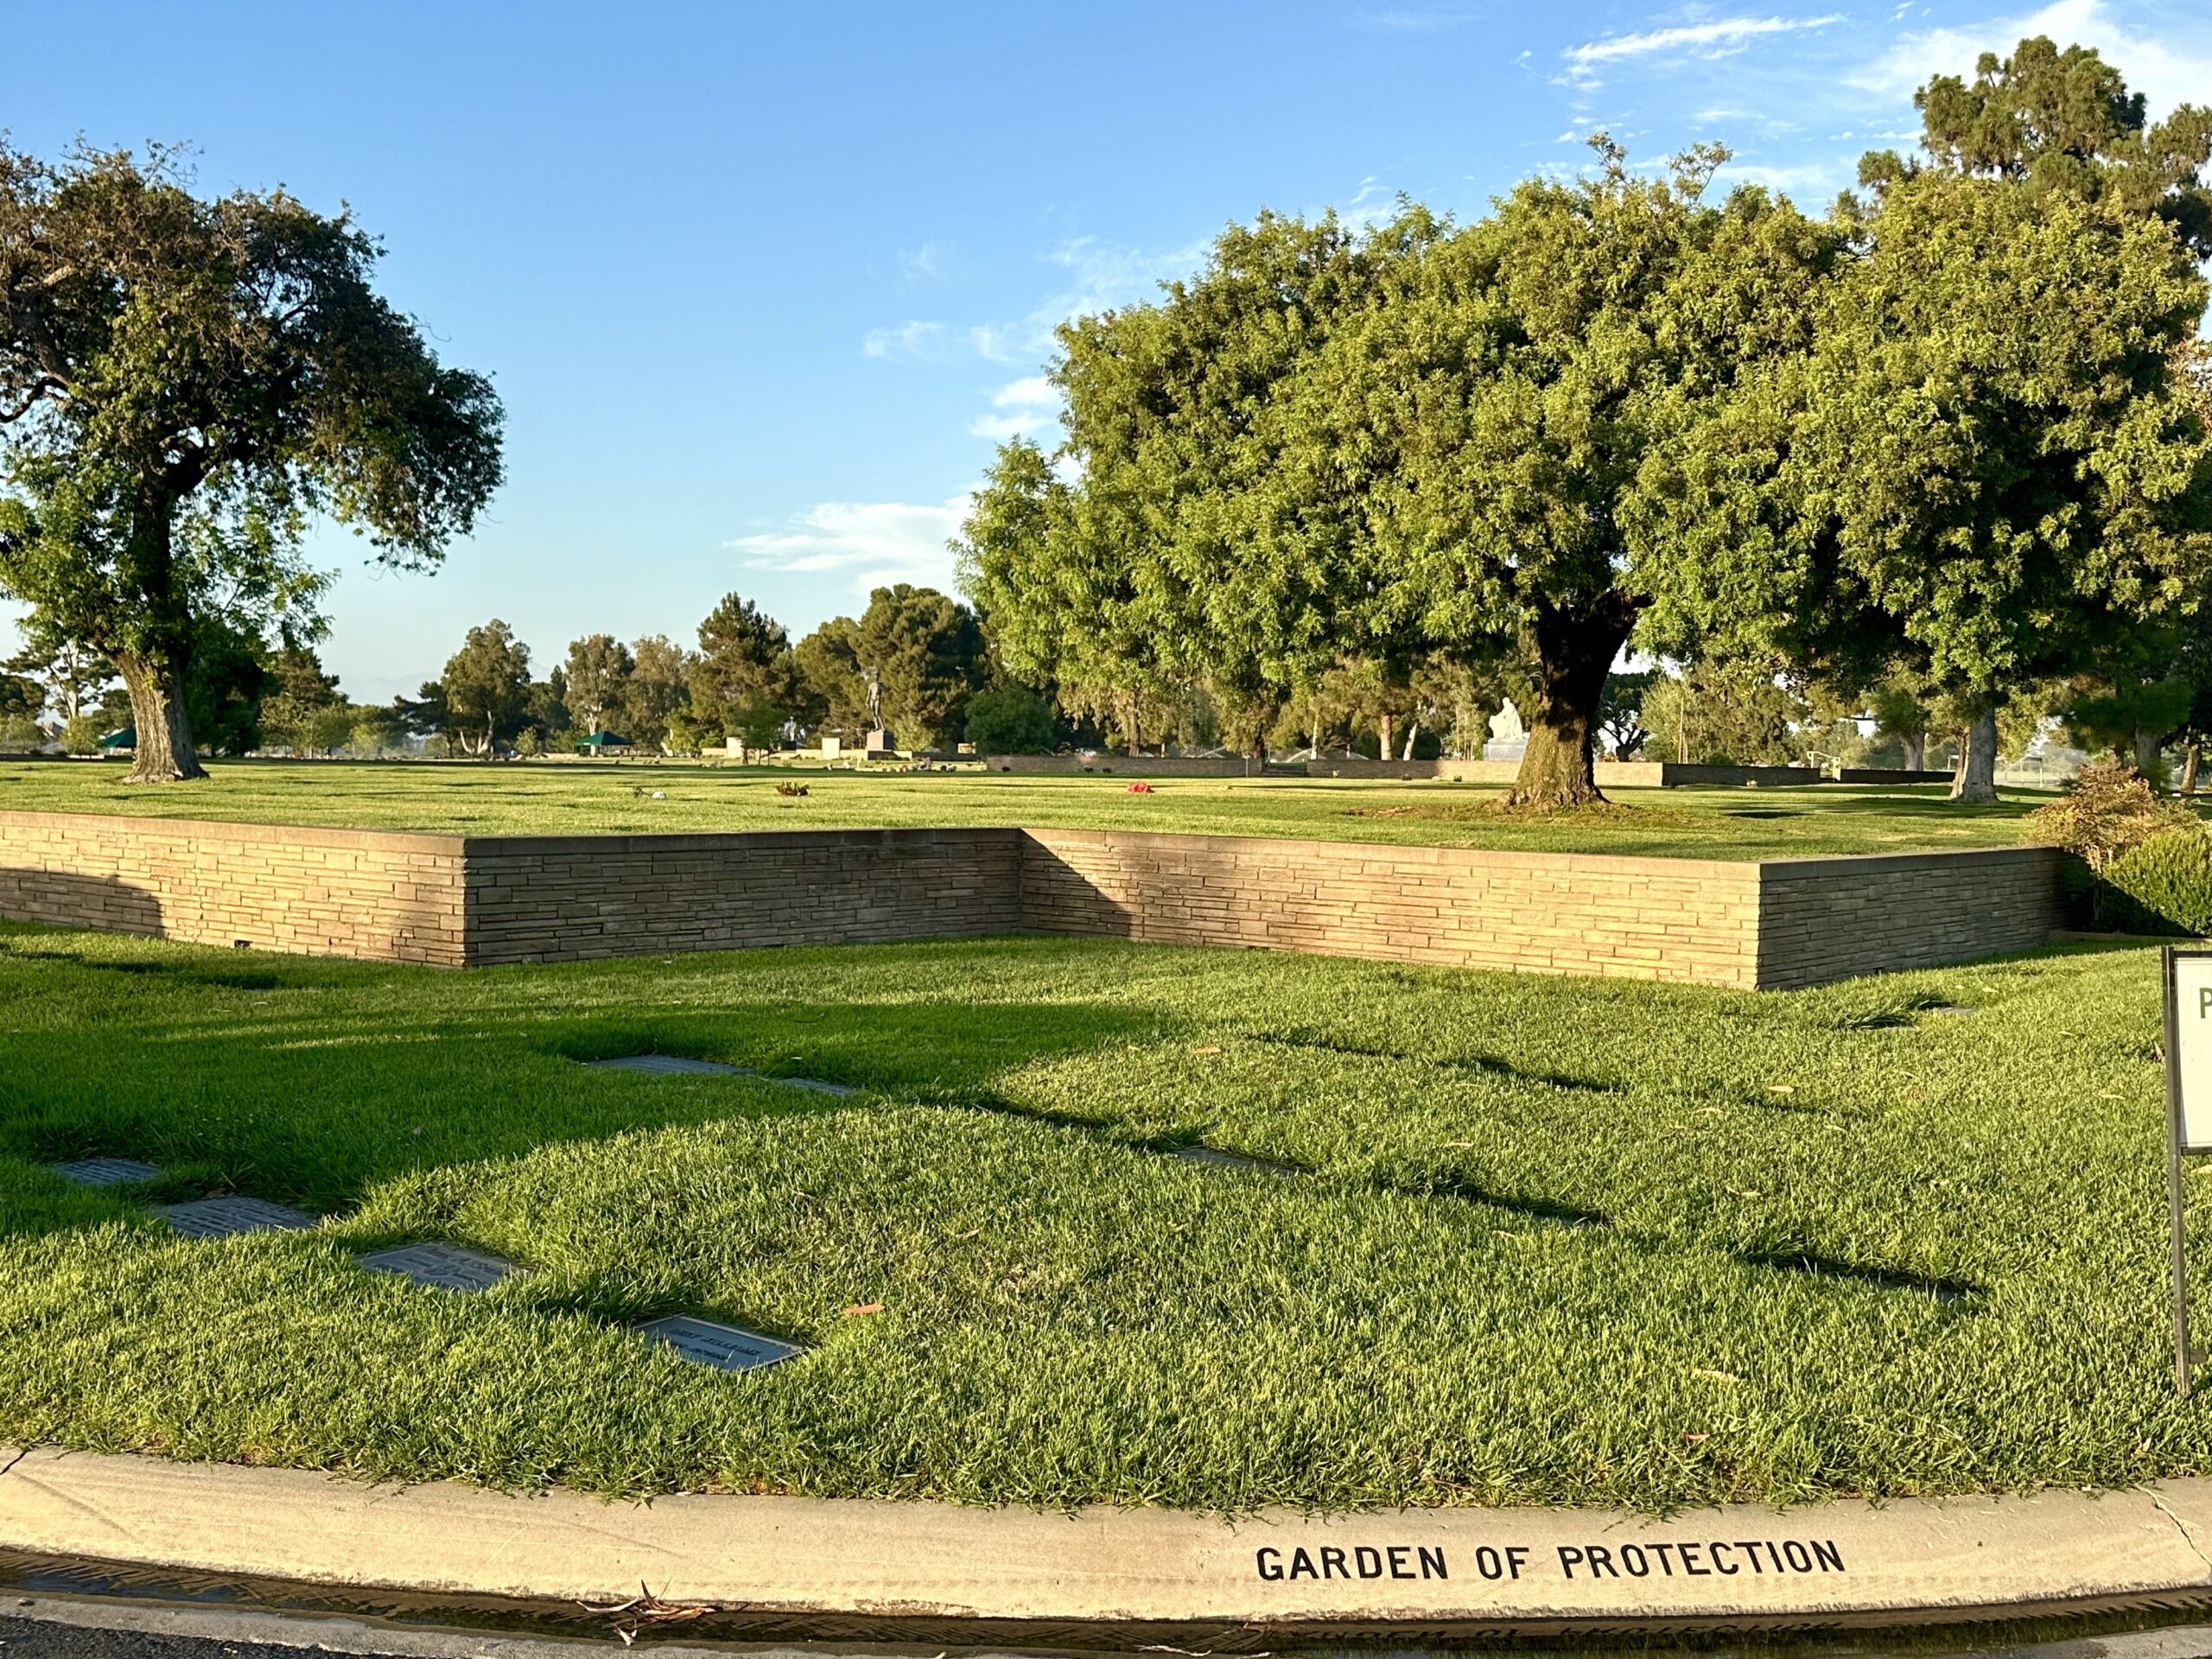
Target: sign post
2189	1112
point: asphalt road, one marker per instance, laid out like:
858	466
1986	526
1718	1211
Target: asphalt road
57	1627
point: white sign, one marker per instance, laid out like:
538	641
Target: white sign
2191	990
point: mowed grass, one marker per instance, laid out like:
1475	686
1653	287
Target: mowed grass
1538	1239
565	798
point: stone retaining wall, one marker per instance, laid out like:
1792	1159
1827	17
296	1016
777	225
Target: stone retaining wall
558	899
1891	775
1675	919
334	893
1139	765
1825	919
479	900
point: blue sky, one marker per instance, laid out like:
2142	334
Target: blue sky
762	286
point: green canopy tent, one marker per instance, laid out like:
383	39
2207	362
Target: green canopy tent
599	742
124	738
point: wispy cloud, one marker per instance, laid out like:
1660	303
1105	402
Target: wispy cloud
2160	64
908	339
932	262
1716	37
871	542
1414	19
1024	407
1100	275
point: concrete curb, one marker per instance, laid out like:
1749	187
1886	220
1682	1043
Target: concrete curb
932	1564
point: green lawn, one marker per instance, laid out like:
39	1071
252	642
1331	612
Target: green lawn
570	799
1549	1240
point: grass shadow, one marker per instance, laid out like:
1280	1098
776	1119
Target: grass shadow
1481	1065
1809	1264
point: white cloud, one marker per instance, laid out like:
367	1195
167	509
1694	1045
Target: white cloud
2155	64
1715	38
1027	406
1101	276
908	340
1000	427
1800	179
872	542
1414	19
931	262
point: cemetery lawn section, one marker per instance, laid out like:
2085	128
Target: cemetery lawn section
1532	1241
564	798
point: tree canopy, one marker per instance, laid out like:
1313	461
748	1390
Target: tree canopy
1949	430
183	383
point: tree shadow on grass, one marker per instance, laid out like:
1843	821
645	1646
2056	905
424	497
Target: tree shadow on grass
274	1103
1484	1065
1950	1292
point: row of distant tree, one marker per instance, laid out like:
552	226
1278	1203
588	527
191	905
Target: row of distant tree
934	686
921	651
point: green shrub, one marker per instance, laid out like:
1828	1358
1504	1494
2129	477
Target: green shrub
1011	719
2161	885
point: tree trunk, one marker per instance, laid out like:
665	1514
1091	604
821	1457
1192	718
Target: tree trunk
1975	780
1412	731
2191	755
164	752
1576	650
1915	745
1383	733
2147	745
157	670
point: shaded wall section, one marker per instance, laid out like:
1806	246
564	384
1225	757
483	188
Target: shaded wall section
560	898
1825	919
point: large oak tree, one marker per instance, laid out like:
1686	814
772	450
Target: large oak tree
184	384
1993	466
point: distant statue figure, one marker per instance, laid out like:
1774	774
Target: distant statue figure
875	701
1509	734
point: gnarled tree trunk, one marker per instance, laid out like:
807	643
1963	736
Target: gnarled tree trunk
1975	779
2192	756
1915	745
164	753
157	670
1575	648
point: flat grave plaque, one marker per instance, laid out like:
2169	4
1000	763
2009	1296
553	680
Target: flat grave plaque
105	1172
668	1065
708	1342
221	1217
1218	1159
675	1066
439	1266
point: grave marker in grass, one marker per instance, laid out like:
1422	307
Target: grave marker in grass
725	1347
677	1065
439	1266
105	1172
222	1218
